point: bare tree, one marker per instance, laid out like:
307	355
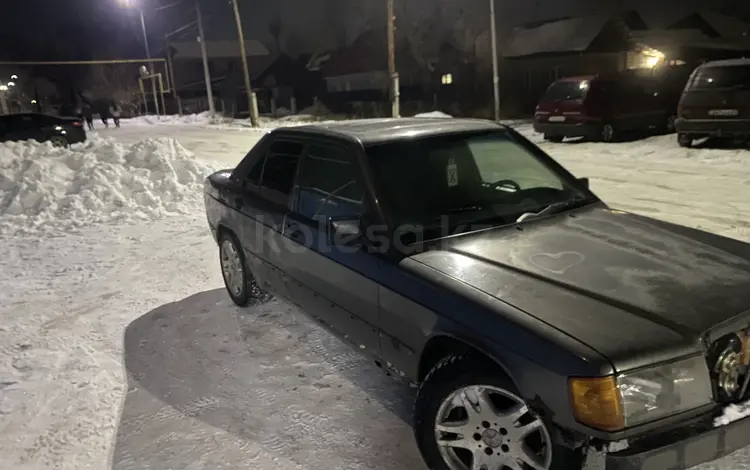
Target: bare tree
428	25
118	83
275	28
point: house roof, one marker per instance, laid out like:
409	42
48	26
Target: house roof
368	53
726	26
704	30
217	49
563	35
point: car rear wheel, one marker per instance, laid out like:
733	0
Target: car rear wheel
607	133
469	416
554	138
58	141
238	280
669	125
684	140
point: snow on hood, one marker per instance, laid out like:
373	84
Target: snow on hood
42	187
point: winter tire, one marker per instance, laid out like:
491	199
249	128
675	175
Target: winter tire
607	133
670	124
468	415
234	269
58	141
684	140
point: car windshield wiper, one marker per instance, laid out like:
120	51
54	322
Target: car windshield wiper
553	208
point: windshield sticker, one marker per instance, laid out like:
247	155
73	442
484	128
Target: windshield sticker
452	171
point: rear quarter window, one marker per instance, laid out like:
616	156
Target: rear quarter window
722	77
566	91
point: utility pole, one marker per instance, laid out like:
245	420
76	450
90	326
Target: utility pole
251	100
392	74
206	71
150	65
3	100
495	78
172	82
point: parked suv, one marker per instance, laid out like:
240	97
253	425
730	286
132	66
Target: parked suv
537	321
716	102
600	107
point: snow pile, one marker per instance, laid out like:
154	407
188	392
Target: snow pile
42	187
151	120
433	114
732	413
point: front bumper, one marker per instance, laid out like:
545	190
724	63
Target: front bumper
683	447
714	127
577	129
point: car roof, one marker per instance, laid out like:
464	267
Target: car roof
578	78
727	62
377	131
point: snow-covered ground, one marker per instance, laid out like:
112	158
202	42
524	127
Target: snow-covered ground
119	348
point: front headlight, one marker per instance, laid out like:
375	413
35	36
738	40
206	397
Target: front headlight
632	398
664	390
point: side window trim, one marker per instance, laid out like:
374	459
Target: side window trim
353	160
262	191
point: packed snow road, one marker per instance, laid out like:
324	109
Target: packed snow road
119	348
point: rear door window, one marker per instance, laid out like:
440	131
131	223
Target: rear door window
329	184
725	77
566	91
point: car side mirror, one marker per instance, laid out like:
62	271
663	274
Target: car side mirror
584	182
345	231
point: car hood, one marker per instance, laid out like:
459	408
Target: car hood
628	286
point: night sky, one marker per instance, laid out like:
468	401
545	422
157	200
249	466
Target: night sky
104	29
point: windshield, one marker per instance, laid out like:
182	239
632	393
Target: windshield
487	178
566	90
711	78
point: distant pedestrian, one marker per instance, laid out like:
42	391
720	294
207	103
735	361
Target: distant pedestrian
104	115
115	111
88	115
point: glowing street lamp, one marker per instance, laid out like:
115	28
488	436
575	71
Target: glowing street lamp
11	84
3	87
14	77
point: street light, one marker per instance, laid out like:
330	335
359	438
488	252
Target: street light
129	3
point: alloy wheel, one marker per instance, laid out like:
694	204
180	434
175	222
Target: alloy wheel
482	427
231	267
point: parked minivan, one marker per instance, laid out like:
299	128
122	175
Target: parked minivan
600	107
715	102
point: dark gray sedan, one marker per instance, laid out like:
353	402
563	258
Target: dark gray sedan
538	322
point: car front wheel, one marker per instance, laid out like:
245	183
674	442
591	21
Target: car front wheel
58	141
467	418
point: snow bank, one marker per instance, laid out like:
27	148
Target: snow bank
433	114
43	188
732	413
151	120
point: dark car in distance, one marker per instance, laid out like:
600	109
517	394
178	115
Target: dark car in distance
716	102
601	107
59	131
538	322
